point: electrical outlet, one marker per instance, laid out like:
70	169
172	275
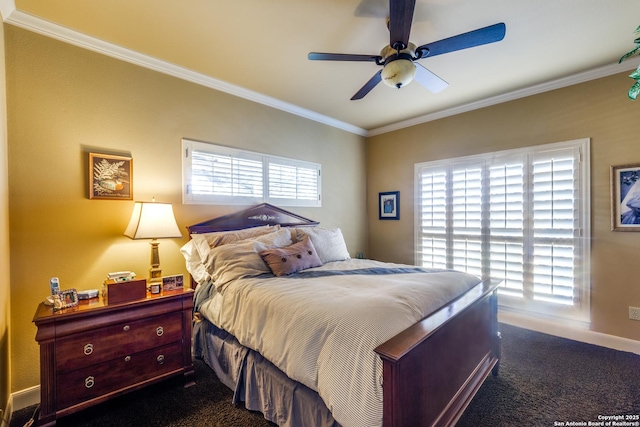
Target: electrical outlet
634	313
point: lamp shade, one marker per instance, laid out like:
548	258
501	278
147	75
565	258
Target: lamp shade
151	220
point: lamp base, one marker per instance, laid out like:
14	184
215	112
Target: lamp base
155	273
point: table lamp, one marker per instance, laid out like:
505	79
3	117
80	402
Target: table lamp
151	220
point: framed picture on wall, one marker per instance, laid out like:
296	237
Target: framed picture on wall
110	177
389	205
625	197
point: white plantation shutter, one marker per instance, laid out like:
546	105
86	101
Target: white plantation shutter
293	182
222	175
431	239
519	215
555	225
225	175
466	209
506	223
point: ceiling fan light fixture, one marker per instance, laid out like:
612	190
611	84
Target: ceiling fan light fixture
398	73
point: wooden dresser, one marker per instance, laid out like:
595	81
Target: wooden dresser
96	351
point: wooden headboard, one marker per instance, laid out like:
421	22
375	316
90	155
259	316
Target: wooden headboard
255	216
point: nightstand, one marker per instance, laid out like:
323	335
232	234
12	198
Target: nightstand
94	352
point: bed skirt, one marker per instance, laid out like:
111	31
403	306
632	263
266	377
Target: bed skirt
256	382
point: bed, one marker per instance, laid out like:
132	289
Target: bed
311	337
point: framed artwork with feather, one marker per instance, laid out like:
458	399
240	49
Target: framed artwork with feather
110	177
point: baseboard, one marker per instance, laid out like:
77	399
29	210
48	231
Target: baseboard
24	398
577	334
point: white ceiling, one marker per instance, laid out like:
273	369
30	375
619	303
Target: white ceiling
258	49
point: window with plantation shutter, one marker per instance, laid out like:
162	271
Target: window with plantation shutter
214	174
293	182
519	215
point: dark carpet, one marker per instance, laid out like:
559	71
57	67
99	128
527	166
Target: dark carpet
544	381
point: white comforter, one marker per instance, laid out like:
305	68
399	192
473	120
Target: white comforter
322	331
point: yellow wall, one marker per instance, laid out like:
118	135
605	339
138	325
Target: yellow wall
599	110
4	242
64	102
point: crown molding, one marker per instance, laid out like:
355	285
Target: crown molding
37	25
7	7
585	76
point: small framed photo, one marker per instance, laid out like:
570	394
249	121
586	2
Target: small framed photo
389	205
110	177
172	283
65	299
625	197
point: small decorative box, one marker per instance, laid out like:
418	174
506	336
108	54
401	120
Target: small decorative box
116	292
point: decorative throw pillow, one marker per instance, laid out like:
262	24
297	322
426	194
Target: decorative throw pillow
241	259
328	242
290	259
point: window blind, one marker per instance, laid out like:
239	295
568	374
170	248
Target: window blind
518	215
214	174
506	224
293	182
554	226
432	243
223	175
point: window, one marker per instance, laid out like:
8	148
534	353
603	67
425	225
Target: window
213	174
518	215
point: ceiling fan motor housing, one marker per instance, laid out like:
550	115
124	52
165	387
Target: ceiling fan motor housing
399	69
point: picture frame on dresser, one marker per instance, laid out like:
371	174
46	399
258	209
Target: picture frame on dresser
66	299
625	197
110	177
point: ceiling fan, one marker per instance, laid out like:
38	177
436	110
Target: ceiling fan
398	59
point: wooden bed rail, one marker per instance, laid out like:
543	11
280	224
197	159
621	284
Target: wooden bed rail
433	369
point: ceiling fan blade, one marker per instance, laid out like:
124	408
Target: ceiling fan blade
491	34
400	19
317	56
428	79
377	78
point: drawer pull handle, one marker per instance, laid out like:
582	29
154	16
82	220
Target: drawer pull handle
159	331
160	359
88	349
126	328
89	382
127	359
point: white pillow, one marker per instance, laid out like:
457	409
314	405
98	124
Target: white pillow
329	243
206	241
194	262
242	259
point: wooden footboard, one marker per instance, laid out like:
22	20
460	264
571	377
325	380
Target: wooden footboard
433	369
